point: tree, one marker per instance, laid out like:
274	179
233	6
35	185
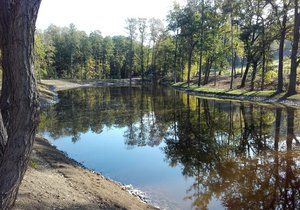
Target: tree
231	8
96	40
72	42
142	25
131	27
189	29
201	43
44	53
19	117
118	63
156	30
165	58
281	10
83	57
106	50
250	35
173	25
294	57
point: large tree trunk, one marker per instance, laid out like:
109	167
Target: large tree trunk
232	52
189	66
242	68
207	70
281	55
17	26
253	76
294	62
5	94
243	83
200	68
201	39
263	75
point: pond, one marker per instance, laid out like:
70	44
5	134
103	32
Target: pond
185	152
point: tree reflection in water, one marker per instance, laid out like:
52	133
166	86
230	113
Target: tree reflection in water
240	153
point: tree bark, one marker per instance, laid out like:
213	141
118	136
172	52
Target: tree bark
200	68
201	39
281	55
207	70
243	83
232	51
253	76
242	68
17	26
190	65
294	63
5	94
263	75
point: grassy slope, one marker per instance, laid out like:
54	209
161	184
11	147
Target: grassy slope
238	92
242	92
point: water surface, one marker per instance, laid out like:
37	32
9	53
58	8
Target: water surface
184	152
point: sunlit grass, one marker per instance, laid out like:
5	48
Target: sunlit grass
295	97
237	92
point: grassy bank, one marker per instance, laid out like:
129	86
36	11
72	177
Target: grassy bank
241	94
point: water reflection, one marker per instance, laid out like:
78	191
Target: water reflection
243	155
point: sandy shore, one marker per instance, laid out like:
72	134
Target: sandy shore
54	181
59	85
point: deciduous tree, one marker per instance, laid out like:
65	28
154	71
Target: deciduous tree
19	104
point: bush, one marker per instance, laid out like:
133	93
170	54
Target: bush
270	76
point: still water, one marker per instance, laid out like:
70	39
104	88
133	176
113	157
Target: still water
184	152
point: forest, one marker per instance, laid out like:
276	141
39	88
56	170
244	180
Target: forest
236	44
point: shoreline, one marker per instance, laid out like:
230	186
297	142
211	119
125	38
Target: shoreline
129	188
67	177
266	97
60	85
55	181
239	97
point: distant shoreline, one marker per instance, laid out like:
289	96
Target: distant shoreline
267	97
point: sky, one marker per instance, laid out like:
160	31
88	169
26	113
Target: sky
108	16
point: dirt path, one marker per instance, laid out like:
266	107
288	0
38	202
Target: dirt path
64	85
53	181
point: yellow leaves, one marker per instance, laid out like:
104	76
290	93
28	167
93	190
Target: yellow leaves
91	68
270	76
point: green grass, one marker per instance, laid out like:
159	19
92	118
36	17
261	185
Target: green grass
33	164
295	97
237	92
